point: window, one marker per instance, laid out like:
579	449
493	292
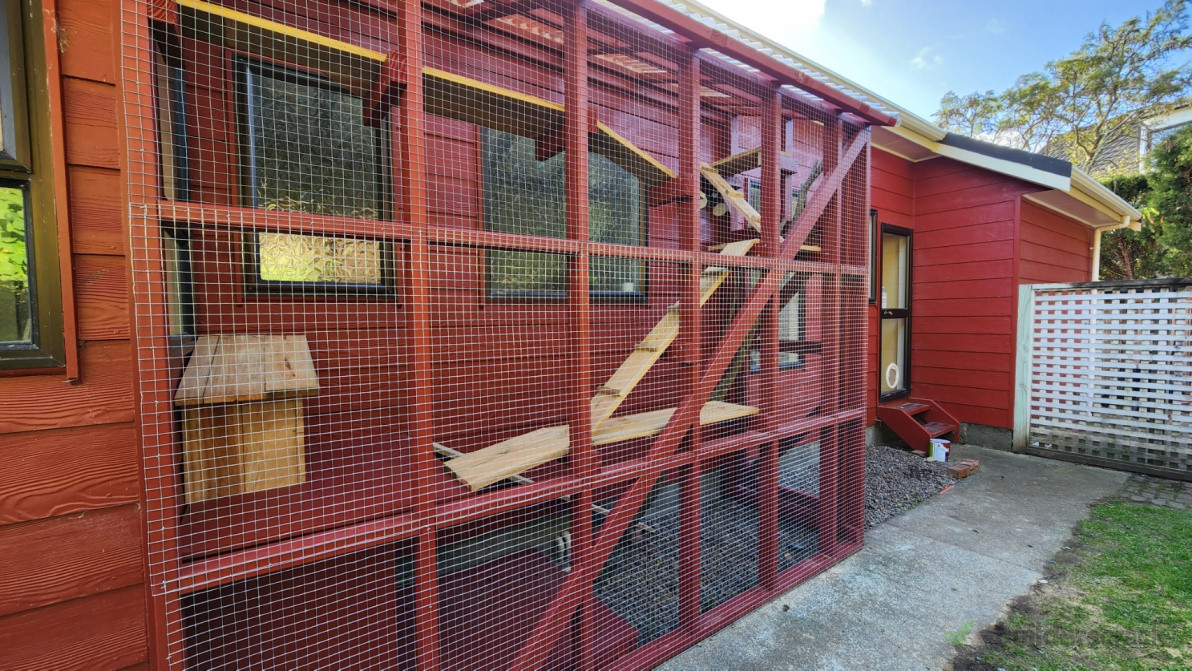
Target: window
872	257
791	319
175	249
308	147
308	150
526	196
291	261
31	329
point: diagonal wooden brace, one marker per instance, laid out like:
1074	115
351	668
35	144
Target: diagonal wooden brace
533	652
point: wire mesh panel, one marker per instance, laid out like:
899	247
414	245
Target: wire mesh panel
485	335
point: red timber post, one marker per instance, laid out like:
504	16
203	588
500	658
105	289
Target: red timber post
771	123
582	461
412	134
690	345
150	338
830	323
665	444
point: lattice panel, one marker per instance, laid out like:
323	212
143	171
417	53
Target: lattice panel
485	335
1110	374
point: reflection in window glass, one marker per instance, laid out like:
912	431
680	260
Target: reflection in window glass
526	196
790	331
309	149
16	309
285	257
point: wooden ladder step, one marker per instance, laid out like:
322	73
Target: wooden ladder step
912	408
512	457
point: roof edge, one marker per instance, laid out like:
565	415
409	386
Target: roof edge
1077	183
1085	183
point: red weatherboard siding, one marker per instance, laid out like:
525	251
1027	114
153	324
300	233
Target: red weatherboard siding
960	334
1053	248
962	327
71	557
892	195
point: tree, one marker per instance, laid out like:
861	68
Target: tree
1163	248
1081	105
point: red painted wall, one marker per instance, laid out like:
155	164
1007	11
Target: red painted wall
1053	248
974	241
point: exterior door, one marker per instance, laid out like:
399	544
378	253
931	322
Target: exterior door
895	297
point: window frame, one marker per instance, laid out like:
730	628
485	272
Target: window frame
29	167
874	232
639	296
243	67
793	289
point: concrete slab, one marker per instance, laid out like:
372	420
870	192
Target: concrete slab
960	557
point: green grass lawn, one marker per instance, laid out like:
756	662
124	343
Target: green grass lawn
1121	598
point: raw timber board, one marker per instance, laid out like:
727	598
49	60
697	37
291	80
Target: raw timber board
507	459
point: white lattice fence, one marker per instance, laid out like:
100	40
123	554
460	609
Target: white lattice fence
1110	373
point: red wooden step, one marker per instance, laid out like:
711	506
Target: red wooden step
917	421
913	408
937	429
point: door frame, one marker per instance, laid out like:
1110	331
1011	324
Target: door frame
904	313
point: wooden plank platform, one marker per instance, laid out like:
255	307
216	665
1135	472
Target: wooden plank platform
750	160
508	459
654	345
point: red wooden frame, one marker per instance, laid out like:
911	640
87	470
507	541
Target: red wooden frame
682	447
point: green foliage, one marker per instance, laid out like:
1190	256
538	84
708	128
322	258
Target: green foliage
1084	103
14	257
957	638
1163	248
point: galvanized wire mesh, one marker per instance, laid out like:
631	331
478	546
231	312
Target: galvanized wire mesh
451	353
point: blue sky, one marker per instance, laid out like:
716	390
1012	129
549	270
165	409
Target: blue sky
912	52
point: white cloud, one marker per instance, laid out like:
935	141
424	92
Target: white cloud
866	3
995	26
925	59
773	17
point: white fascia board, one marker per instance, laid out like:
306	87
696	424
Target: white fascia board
1100	196
999	165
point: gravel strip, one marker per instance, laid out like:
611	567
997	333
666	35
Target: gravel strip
897	480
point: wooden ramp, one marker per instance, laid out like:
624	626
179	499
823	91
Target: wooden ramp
508	459
512	457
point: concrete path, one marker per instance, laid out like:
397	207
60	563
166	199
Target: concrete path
960	557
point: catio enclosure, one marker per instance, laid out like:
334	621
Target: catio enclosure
486	334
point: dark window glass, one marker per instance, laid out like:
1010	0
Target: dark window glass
526	196
791	330
175	251
308	147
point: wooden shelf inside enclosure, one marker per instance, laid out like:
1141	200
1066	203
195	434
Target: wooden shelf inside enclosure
243	427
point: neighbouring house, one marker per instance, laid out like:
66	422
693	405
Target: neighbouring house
1130	152
466	333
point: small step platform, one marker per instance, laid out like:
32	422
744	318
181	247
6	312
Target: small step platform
918	420
509	458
